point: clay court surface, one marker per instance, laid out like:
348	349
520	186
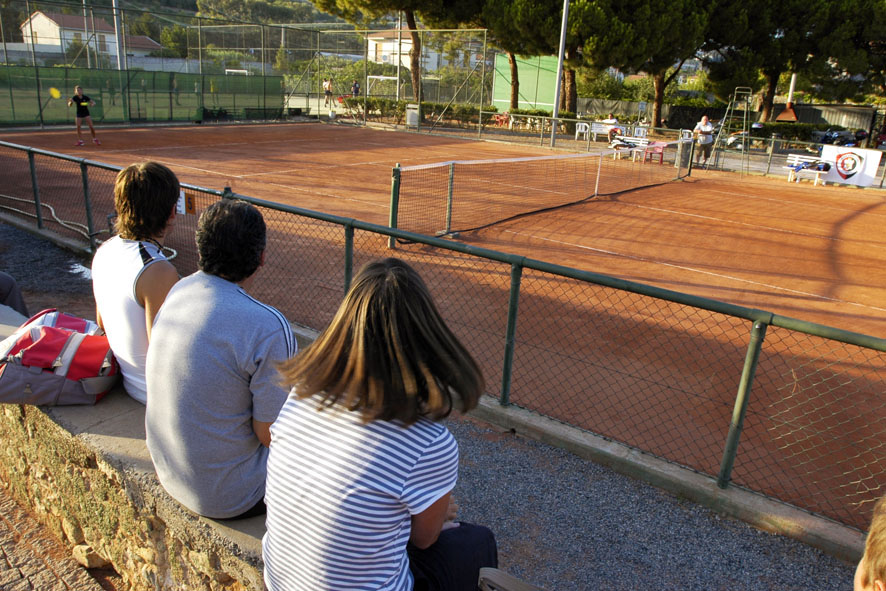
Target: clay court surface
814	253
660	377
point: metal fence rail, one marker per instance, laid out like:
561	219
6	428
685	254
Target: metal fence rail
787	408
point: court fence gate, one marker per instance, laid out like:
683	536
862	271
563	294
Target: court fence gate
783	407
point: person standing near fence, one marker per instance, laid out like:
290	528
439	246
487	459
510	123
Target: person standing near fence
704	134
327	91
83	103
355	89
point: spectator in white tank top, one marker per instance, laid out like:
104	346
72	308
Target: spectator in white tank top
130	274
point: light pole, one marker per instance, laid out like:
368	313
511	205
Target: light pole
559	72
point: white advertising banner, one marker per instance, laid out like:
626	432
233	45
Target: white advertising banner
851	166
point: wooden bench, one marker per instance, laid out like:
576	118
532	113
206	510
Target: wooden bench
622	144
796	160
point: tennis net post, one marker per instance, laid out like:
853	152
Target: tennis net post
395	203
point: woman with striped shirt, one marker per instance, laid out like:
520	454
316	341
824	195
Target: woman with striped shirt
360	471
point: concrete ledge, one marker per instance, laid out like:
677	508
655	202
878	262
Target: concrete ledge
764	513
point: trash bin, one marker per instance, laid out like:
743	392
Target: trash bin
411	115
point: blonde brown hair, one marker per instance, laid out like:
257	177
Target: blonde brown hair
144	197
874	566
388	354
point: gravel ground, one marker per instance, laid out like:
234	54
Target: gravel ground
561	522
46	274
565	523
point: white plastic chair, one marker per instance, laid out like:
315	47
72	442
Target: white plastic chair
582	130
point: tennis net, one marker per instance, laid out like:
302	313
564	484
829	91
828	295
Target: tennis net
460	196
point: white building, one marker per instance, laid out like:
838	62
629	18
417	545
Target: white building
59	30
384	47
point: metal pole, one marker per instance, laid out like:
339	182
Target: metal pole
31	38
3	40
399	40
679	161
449	198
118	32
508	365
599	171
86	33
84	174
349	255
421	40
482	87
261	29
395	202
95	52
200	50
758	333
365	73
560	70
35	188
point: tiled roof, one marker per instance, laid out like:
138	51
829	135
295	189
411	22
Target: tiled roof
142	42
75	21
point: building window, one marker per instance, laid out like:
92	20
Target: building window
102	44
78	38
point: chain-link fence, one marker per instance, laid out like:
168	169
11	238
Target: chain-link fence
136	96
165	64
787	408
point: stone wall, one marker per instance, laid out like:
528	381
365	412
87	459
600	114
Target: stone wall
111	511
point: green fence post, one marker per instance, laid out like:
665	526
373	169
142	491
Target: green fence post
227	193
758	333
449	198
35	188
90	227
691	156
349	255
395	202
508	365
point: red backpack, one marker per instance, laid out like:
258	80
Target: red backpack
55	359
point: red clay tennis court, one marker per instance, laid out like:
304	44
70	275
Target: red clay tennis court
594	357
814	253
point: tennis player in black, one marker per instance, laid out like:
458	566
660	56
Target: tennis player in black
83	103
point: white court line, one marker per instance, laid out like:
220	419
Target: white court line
288	187
789	202
330	195
385	163
694	270
746	224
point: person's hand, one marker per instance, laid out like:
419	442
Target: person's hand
452	511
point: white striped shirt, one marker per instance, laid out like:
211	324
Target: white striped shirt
340	497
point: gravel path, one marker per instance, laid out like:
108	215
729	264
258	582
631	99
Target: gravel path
562	522
565	523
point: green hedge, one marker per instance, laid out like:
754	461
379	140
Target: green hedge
790	130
